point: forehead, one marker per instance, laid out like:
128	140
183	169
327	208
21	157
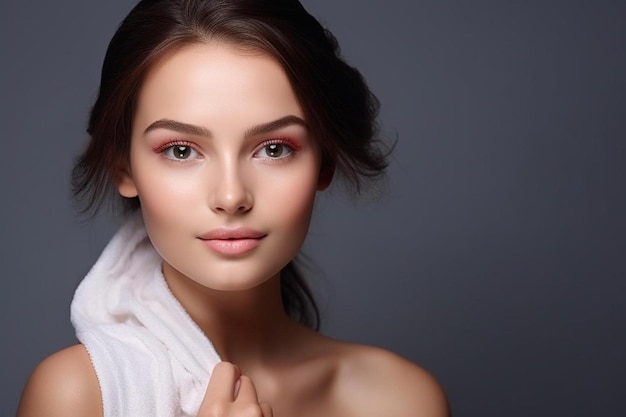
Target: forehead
215	81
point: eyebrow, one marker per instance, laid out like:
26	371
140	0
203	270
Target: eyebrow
195	130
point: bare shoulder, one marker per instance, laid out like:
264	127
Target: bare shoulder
64	384
374	382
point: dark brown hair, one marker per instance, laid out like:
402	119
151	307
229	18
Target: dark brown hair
339	108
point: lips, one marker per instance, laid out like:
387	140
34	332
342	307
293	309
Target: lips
225	233
232	241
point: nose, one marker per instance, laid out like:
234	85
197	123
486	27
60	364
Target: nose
230	194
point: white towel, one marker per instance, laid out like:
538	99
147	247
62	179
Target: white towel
150	357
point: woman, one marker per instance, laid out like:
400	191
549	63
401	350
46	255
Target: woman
218	122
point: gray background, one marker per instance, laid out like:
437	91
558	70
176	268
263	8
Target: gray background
496	258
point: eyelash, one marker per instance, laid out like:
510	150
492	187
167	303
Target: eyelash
288	143
163	149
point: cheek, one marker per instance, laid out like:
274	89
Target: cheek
292	196
167	186
167	198
167	203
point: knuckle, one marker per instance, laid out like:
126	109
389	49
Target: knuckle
226	368
216	409
251	410
224	365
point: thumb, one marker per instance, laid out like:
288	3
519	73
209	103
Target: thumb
266	409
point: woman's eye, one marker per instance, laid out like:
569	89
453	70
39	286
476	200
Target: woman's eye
275	151
179	152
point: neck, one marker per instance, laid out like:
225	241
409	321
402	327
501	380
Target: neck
246	327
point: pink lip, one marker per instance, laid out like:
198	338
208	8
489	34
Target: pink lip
232	241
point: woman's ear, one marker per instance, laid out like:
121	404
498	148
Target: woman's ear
125	184
327	172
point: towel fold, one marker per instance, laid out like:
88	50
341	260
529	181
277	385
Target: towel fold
150	357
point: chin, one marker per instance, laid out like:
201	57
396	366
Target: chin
237	281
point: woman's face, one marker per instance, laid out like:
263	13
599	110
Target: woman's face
223	165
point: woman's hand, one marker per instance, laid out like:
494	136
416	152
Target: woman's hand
231	394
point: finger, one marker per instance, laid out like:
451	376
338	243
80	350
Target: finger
247	392
266	409
223	381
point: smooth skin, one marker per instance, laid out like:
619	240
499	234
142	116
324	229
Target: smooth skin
206	153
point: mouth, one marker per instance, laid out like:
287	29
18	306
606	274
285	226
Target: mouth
232	241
